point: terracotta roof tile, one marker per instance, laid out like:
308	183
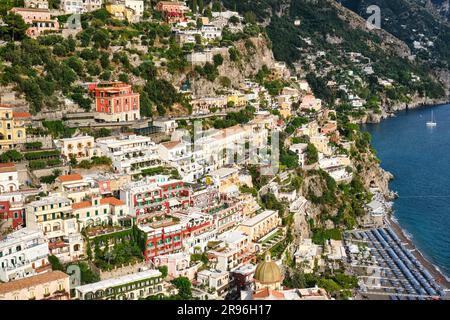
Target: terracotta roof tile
112	201
81	205
8	167
31	281
20	114
170	144
70	177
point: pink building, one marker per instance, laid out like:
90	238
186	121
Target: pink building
178	265
39	20
115	101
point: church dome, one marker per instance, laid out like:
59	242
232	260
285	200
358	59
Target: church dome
267	272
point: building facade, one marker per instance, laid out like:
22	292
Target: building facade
81	147
53	285
130	154
54	217
129	287
39	21
12	127
9	178
115	102
23	253
172	11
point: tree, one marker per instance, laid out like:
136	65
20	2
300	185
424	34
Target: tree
123	77
233	20
101	38
218	59
250	17
54	4
199	23
216	6
201	6
87	275
11	156
163	270
73	160
56	264
184	287
194	6
146	109
312	155
15	27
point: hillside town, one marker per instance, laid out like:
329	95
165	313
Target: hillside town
110	203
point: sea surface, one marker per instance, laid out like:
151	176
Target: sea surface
419	158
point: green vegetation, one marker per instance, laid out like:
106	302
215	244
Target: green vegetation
58	129
235	118
184	287
11	156
320	235
56	264
33	145
51	178
95	161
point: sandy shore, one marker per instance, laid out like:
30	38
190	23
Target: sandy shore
438	276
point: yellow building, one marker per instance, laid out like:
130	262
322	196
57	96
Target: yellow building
12	127
285	110
260	225
238	100
120	12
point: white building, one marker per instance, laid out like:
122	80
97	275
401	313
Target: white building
9	178
137	6
99	211
300	150
336	167
54	217
23	253
130	154
80	6
36	4
234	250
214	280
211	32
81	147
128	287
167	126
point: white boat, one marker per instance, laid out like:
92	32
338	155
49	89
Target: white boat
432	122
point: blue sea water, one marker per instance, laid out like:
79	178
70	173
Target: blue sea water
419	158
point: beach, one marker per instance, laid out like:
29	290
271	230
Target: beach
438	276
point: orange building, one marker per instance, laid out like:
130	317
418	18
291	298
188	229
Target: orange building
115	102
173	11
